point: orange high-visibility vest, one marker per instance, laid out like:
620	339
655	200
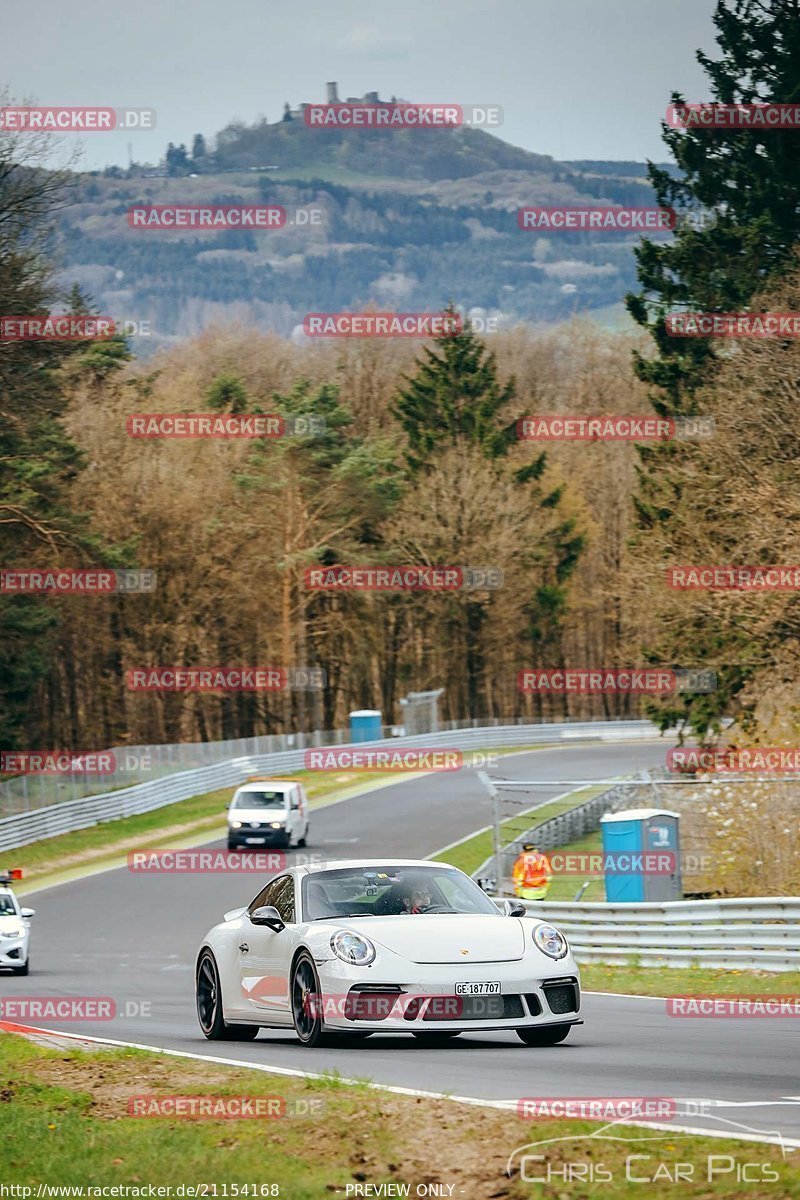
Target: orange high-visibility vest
532	870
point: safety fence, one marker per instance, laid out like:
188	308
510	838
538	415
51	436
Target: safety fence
751	934
22	828
144	764
560	830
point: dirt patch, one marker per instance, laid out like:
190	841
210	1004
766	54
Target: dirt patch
383	1136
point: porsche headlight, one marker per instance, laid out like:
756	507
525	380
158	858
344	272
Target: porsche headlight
236	824
12	933
352	948
550	941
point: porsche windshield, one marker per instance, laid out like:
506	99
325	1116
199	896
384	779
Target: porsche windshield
384	891
260	800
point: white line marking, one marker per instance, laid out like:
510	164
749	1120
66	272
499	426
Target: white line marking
399	1091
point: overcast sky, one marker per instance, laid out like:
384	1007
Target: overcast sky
576	78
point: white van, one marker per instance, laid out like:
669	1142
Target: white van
268	812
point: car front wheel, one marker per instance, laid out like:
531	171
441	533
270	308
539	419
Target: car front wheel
306	1006
22	970
209	1005
545	1035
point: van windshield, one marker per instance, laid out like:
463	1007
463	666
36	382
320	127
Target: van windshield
260	800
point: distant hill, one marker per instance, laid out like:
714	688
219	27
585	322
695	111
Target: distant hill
410	220
417	156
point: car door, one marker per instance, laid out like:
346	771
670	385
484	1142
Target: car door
295	815
264	956
301	791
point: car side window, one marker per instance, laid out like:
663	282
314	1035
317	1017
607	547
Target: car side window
295	798
284	898
267	896
279	893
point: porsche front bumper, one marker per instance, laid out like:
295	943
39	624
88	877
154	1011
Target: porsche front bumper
13	951
429	1001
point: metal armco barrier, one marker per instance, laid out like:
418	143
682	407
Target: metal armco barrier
560	830
20	829
754	934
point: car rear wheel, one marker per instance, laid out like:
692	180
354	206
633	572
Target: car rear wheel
305	994
546	1035
209	1005
435	1037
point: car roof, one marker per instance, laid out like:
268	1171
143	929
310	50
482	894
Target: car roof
275	785
335	864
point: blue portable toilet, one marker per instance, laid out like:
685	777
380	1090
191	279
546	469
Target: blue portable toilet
653	831
365	725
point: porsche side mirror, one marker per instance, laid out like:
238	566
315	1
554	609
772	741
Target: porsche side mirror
268	915
27	912
514	908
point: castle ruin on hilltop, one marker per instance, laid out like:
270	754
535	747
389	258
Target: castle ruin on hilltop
332	97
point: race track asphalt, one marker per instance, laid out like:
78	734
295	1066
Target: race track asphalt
134	937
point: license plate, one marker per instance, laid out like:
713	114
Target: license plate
255	841
478	989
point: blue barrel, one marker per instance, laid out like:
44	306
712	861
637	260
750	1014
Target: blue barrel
365	725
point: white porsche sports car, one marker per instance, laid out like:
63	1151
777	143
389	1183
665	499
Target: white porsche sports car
369	946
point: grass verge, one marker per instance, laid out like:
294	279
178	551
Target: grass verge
687	981
66	1123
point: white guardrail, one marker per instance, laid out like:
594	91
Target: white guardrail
20	829
754	934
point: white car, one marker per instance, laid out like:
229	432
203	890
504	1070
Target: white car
15	929
368	946
268	812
